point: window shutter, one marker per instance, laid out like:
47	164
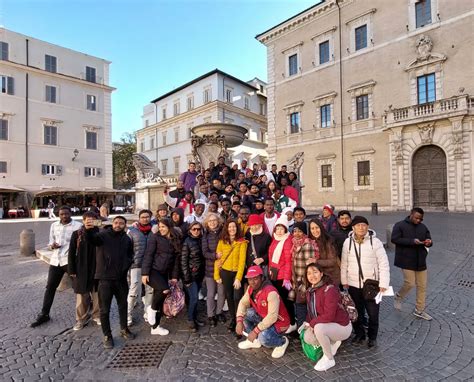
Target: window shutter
44	169
86	171
98	172
59	170
10	85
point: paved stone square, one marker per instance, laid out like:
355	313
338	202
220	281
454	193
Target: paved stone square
408	348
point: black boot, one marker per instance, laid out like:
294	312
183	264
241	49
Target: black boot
41	319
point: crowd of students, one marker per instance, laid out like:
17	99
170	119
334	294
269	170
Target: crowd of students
236	235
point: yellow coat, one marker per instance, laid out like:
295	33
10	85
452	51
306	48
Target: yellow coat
233	258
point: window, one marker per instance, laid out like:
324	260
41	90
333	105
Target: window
50	94
92	172
176	165
90	74
294	123
152	143
246	103
3	130
293	64
362	104
190	103
163	113
142	146
147	122
326	176
361	37
423	13
3	167
3	51
164	166
51	169
190	132
176	109
207	95
50	63
262	108
163	135
363	173
176	135
50	135
91	140
426	86
228	96
325	116
7	85
324	52
91	102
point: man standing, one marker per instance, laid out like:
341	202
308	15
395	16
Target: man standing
179	191
114	258
282	201
189	177
269	216
263	315
198	213
186	203
81	267
59	240
344	227
412	240
243	220
51	206
283	174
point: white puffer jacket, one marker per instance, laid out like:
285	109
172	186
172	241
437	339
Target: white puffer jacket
373	259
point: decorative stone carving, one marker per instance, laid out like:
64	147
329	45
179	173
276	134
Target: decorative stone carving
457	141
397	149
208	148
147	171
424	46
296	161
426	133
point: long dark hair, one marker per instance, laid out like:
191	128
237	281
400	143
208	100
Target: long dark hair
225	237
324	241
175	239
325	279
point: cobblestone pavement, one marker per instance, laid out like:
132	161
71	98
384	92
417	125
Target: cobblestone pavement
408	348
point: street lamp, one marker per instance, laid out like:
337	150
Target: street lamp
76	153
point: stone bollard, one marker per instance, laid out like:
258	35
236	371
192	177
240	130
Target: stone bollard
390	245
27	242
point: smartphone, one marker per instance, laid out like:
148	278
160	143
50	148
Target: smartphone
97	223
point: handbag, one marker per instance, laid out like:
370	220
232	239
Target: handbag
370	287
273	273
174	302
349	306
313	352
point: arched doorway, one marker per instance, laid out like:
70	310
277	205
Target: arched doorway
429	177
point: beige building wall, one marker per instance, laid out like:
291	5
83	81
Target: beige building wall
386	71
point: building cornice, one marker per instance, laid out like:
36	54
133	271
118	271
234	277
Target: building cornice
373	10
292	47
293	104
57	75
370	83
334	28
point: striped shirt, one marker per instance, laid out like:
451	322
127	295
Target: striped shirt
61	234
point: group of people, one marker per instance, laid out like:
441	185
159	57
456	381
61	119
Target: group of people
239	236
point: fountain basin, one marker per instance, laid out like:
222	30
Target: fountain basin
234	135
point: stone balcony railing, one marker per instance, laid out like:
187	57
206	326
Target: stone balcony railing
434	110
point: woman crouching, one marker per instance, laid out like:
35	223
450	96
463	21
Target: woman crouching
327	322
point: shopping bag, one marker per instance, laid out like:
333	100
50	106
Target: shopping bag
174	302
314	353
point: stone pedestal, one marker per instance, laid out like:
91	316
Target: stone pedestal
148	196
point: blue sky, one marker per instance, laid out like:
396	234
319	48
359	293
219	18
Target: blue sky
155	46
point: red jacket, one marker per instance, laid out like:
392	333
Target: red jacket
292	193
328	306
261	306
284	265
265	228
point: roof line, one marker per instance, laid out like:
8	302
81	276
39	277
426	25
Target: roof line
215	71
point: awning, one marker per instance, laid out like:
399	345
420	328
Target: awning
99	190
5	188
53	191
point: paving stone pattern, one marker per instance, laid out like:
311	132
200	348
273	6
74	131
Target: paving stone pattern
408	348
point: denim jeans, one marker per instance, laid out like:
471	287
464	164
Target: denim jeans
135	290
269	338
301	310
193	292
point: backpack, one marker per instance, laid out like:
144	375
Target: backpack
174	302
349	306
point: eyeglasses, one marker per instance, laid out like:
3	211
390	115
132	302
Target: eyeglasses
195	229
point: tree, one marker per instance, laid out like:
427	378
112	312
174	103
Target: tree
125	174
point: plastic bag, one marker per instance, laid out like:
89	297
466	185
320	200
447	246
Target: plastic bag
314	353
174	302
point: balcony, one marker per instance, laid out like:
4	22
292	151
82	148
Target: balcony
443	108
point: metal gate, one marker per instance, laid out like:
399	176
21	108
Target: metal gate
430	177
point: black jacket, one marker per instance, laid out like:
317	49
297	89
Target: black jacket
161	257
81	259
262	243
340	235
409	255
115	256
209	243
192	260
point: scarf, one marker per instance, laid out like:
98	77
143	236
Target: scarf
279	248
256	233
312	301
145	229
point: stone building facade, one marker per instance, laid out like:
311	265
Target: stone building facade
380	98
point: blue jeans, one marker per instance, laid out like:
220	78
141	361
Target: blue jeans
269	338
301	310
193	293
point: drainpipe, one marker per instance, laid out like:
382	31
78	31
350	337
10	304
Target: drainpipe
26	110
341	105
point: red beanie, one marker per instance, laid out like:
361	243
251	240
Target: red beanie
255	219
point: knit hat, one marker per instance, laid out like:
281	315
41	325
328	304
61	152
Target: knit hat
359	219
255	219
286	210
199	201
282	220
329	207
301	226
162	207
254	271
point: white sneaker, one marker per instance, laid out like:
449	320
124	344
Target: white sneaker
160	331
151	314
145	316
279	351
79	325
97	321
324	364
335	346
291	329
200	296
129	321
244	345
225	308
